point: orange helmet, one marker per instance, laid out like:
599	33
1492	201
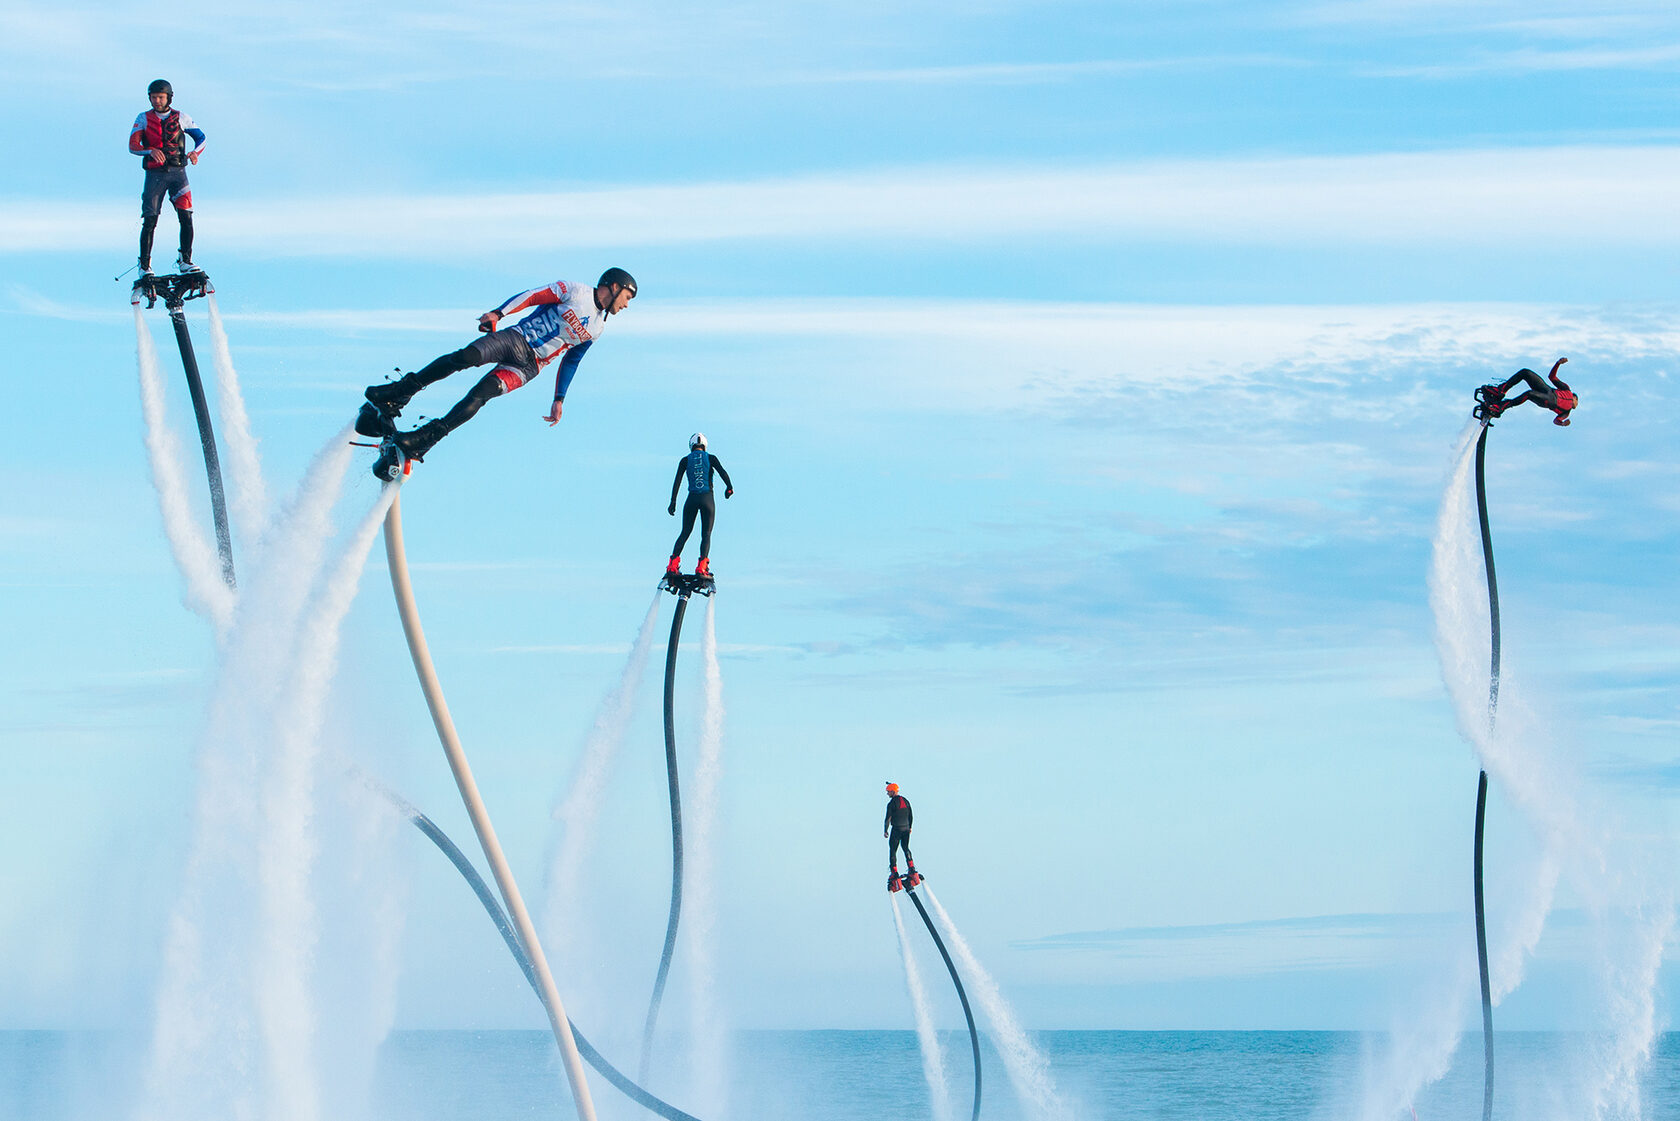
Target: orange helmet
892	788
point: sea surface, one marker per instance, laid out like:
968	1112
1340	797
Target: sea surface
873	1075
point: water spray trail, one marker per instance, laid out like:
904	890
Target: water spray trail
1523	928
1028	1068
278	585
250	495
706	1029
1510	751
578	812
1629	976
1420	1048
288	845
207	594
203	1035
933	1056
1458	597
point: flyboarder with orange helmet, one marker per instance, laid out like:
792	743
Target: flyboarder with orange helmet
564	319
1557	397
697	466
896	828
159	138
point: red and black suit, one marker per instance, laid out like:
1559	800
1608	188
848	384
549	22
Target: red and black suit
1557	397
896	826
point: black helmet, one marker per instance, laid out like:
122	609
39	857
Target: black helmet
619	277
161	86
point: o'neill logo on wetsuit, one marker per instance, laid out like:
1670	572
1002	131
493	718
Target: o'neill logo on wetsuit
699	470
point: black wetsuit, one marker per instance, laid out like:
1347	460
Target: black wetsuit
1557	397
697	466
506	347
897	827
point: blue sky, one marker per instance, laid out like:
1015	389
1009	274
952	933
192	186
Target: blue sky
1088	373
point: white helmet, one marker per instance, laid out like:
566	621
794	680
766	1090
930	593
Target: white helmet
698	440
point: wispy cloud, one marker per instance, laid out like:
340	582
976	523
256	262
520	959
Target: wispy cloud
1438	17
1312	926
1092	363
1574	196
1288	945
1537	60
1015	73
1297	944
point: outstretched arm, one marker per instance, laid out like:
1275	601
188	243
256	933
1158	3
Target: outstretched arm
728	487
563	379
1557	381
555	293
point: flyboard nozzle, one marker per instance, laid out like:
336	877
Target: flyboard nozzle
683	584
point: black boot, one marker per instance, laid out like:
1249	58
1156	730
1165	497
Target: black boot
148	229
417	443
390	397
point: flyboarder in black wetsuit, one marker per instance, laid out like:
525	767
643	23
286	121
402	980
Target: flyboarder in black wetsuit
1557	397
896	828
697	466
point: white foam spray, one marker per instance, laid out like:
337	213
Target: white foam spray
249	497
933	1055
1026	1065
577	813
206	593
367	916
707	1029
1419	1047
236	1021
288	846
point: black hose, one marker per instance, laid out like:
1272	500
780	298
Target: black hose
973	1035
206	437
1482	782
676	838
1492	578
494	907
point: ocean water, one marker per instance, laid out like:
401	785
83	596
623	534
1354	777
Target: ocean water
871	1075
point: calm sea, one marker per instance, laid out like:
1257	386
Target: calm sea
871	1075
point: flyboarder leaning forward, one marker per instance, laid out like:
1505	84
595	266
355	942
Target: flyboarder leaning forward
896	828
1557	397
159	137
564	319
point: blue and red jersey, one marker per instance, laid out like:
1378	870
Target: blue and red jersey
163	132
565	322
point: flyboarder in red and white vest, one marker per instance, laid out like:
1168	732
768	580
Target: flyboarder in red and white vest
159	137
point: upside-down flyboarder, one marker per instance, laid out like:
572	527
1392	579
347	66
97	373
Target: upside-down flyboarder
1558	397
564	320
